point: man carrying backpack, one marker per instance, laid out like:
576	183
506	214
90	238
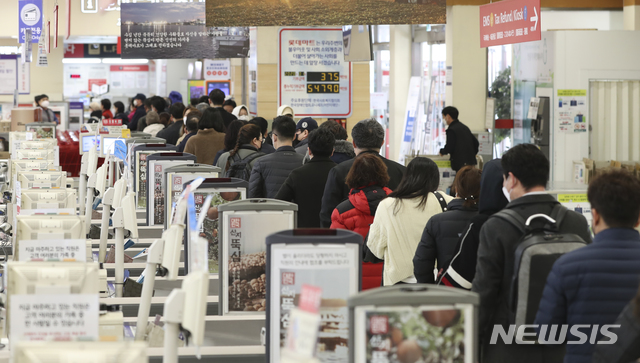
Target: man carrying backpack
525	173
591	286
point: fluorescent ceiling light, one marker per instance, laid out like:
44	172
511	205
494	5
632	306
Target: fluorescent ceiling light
124	61
80	60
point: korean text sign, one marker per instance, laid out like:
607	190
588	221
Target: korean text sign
332	268
313	77
30	17
509	22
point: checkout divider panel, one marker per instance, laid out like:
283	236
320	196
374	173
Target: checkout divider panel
332	263
243	256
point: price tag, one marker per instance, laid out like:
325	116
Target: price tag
57	249
126	133
54	317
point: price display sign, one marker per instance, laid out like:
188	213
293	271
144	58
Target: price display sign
313	77
327	259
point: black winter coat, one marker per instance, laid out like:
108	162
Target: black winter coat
270	172
171	133
498	242
227	117
304	186
439	240
461	145
336	190
462	268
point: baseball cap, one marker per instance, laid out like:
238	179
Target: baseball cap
307	123
140	97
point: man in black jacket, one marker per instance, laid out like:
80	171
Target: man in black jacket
368	137
216	100
173	131
461	144
270	171
525	173
305	185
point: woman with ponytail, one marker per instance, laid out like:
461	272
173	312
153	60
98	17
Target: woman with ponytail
246	151
440	237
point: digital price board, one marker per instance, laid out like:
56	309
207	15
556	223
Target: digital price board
323	76
323	88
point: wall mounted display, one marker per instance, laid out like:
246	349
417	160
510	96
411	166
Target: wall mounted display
313	77
324	12
177	30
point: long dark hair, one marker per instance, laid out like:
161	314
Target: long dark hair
211	119
231	137
421	178
245	136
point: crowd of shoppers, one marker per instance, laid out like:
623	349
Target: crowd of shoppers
414	232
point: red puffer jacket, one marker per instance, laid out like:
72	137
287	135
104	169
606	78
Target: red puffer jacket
356	214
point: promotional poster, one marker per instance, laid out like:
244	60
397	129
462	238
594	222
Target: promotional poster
331	268
178	30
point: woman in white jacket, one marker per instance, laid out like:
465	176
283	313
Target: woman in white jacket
401	218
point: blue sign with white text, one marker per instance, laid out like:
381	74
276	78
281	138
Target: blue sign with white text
30	17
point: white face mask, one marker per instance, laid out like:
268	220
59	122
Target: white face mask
506	194
44	104
184	120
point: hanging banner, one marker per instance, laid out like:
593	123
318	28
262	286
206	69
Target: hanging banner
55	26
509	22
324	12
160	31
313	78
30	17
253	71
24	77
217	70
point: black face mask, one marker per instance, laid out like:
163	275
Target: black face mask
296	141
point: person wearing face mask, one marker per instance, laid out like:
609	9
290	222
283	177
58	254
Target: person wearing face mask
525	171
138	101
47	114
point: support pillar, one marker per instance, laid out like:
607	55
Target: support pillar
468	62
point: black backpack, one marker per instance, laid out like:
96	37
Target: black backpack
541	245
241	168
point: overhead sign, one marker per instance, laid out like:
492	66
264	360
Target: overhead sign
30	17
218	70
509	22
313	77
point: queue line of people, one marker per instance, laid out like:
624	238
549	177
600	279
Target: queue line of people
415	233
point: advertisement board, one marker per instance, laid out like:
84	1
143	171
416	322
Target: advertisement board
156	187
223	190
244	228
313	77
177	30
329	262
